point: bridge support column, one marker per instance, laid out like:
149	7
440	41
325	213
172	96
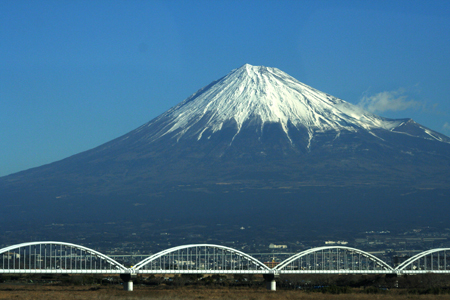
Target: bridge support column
271	284
128	286
127	282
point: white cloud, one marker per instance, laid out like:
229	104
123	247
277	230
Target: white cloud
446	127
384	101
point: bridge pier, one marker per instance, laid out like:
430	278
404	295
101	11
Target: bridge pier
271	284
127	282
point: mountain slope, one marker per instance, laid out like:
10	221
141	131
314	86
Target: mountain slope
254	147
253	126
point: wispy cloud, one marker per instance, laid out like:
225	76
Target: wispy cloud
388	101
446	128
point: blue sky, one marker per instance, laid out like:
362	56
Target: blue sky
76	74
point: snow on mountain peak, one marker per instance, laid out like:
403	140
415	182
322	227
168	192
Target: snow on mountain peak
258	92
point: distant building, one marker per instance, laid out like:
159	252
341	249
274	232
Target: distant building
184	262
336	243
11	255
273	246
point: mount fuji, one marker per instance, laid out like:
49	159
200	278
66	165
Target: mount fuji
256	129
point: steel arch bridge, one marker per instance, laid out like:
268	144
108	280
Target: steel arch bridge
333	260
430	261
201	258
56	257
62	258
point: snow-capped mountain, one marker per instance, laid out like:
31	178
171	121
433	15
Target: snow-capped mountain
256	129
256	115
266	95
257	96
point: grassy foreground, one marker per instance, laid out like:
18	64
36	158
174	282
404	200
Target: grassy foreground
63	286
19	291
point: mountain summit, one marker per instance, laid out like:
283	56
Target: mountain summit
260	95
256	114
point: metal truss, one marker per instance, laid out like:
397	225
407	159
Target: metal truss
333	259
430	261
56	257
60	257
201	258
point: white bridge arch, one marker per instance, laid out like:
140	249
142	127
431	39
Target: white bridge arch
56	257
434	261
201	258
333	259
60	257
